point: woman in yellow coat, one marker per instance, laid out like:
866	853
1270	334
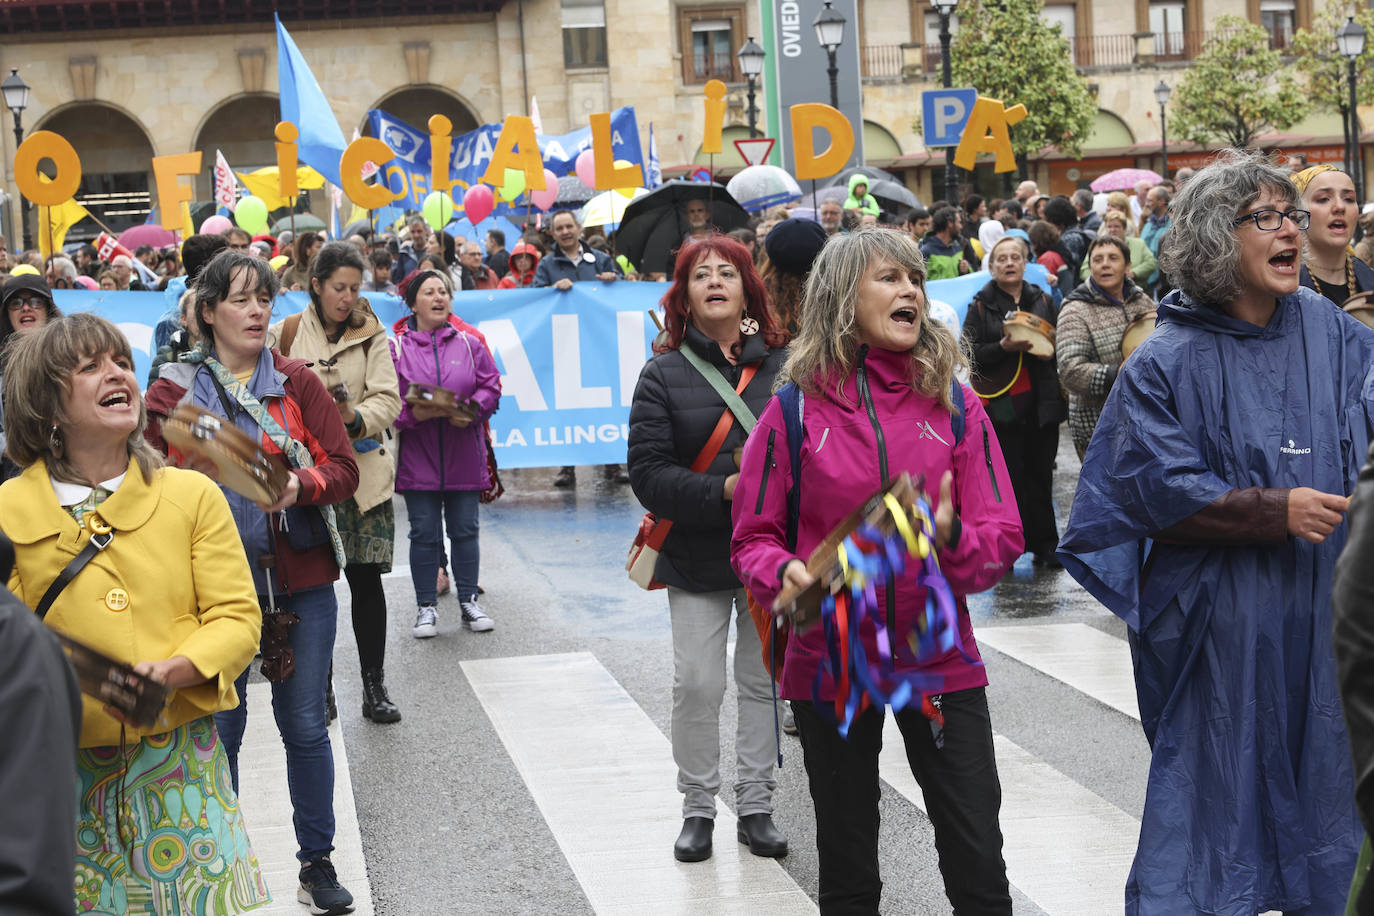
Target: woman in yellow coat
158	826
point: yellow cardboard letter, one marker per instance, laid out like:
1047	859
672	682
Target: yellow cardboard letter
371	196
172	194
518	132
808	115
40	145
715	116
440	152
286	158
609	176
987	132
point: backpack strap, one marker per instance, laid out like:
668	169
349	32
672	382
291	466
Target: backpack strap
956	416
792	402
289	327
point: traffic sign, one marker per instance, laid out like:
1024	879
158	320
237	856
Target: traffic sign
944	114
755	151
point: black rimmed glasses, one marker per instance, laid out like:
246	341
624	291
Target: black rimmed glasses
16	304
1269	219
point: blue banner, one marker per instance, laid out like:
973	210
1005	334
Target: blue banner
409	173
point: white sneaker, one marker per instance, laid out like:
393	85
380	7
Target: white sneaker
426	622
474	618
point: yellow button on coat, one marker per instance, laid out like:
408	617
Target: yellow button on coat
116	599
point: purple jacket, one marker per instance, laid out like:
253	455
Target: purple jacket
435	454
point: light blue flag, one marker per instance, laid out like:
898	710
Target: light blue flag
655	170
321	141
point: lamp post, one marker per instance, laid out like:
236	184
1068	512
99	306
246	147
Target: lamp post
944	9
1350	41
1162	92
829	26
751	65
16	93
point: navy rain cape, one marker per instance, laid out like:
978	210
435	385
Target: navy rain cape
1250	801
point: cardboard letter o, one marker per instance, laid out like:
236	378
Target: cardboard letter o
40	145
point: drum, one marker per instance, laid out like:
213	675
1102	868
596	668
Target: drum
1136	332
1028	326
243	466
419	395
1361	306
803	606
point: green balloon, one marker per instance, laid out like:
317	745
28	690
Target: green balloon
438	210
514	185
251	215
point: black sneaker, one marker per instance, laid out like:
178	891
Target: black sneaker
321	891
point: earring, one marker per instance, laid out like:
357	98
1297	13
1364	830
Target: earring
749	326
55	444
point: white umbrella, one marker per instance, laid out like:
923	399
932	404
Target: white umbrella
608	207
758	187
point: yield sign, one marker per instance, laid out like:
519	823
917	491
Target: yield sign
755	151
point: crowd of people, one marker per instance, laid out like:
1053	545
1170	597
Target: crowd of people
1217	463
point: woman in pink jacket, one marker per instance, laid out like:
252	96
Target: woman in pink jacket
876	374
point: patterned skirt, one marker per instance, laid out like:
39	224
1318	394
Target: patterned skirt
188	852
368	537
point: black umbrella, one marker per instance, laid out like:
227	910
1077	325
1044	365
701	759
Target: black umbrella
356	227
870	172
655	225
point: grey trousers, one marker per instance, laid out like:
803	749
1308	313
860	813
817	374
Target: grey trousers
701	623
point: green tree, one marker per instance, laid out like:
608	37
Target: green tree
1007	52
1236	89
1321	63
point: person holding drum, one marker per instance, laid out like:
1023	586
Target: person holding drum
1209	516
170	594
1329	265
348	350
1016	378
1091	333
720	338
877	374
451	386
292	543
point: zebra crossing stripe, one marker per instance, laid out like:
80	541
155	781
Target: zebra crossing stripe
1088	660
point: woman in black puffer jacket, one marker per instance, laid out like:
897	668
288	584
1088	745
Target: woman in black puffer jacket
717	309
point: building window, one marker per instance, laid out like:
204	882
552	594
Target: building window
584	33
1278	18
1063	15
1166	21
932	42
710	38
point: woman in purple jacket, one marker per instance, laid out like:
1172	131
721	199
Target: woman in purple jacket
876	373
442	460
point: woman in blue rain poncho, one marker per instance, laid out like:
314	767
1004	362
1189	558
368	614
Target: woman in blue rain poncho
1209	515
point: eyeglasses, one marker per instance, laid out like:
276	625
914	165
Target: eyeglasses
1269	219
37	305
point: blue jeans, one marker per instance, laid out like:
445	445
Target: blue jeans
428	511
299	706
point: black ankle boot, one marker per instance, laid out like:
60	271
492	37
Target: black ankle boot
331	706
758	833
694	842
377	706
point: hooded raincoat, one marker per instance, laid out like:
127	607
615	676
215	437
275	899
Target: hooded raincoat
1249	805
865	204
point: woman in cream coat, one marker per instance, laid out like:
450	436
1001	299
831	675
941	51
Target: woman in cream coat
347	345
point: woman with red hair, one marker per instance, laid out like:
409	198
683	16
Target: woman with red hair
720	337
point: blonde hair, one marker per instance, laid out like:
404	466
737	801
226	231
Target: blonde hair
37	378
827	341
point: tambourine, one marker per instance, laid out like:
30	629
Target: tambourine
116	684
340	393
803	606
243	466
420	395
1361	306
1021	325
1136	332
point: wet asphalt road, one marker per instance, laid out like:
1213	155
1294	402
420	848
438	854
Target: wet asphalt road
448	825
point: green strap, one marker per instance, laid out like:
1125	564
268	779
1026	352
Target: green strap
713	376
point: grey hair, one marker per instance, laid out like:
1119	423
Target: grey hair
1084	198
65	268
827	341
1201	250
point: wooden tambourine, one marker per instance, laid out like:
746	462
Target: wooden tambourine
803	606
419	395
1361	306
243	466
1027	326
1136	332
115	683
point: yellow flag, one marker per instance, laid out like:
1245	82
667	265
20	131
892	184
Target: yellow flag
53	223
265	185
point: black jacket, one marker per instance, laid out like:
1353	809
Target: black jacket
673	414
983	331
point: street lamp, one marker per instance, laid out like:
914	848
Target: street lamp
16	93
1162	92
944	9
829	26
751	65
1350	41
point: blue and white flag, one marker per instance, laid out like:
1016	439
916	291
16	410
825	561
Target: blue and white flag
321	140
655	170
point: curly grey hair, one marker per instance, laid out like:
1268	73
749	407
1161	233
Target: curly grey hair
1201	251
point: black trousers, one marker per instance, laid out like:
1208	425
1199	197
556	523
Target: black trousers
369	612
962	794
1030	450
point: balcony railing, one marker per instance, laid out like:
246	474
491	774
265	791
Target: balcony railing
1106	50
698	68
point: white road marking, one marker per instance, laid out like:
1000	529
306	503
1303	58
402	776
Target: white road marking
1088	660
603	777
267	810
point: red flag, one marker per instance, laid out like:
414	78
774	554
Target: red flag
107	246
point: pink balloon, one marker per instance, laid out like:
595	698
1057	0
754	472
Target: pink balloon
586	168
214	225
477	203
544	200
